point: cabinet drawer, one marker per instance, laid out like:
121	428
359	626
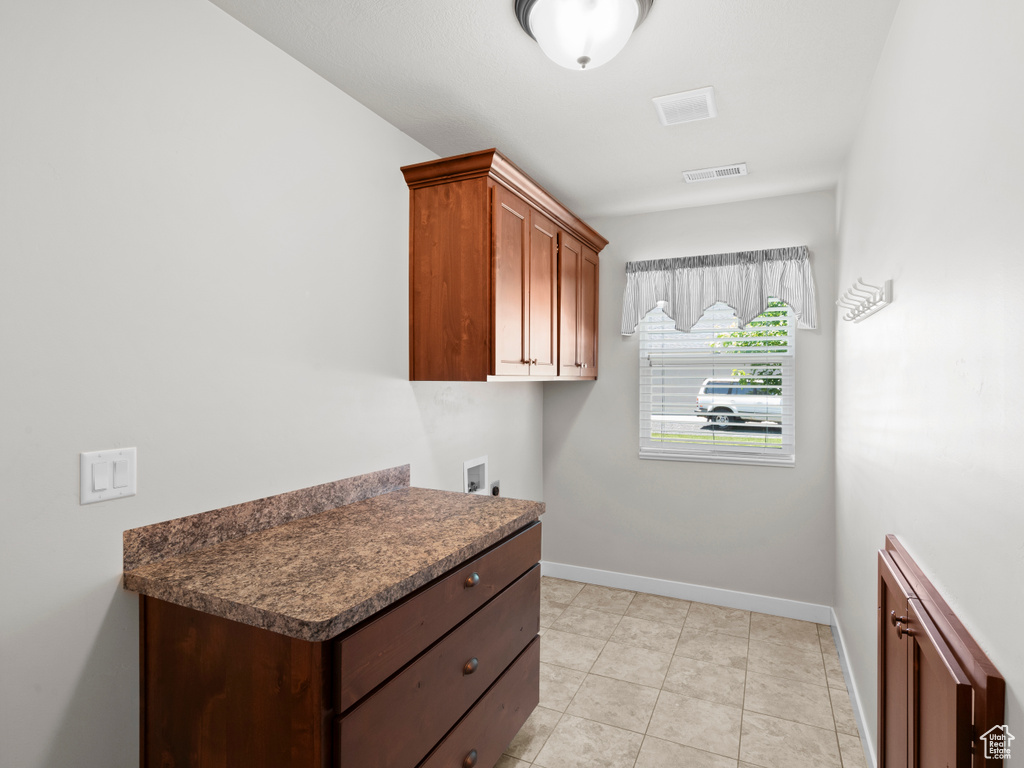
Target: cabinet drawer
400	723
487	728
371	654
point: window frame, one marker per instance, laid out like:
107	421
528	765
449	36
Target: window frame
690	362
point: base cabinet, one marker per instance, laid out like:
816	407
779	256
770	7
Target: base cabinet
937	692
447	675
502	277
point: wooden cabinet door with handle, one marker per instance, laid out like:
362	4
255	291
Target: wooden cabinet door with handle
543	304
893	707
577	322
926	697
570	255
511	227
939	694
590	267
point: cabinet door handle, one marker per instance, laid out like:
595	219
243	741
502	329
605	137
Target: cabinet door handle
470	760
896	619
470	667
901	631
534	361
473	580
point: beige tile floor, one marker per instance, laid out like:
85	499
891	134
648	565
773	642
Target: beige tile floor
631	680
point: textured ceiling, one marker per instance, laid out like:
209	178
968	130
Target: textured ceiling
790	78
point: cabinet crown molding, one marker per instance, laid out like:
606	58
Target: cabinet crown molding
490	162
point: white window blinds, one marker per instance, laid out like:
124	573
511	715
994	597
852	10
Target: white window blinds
720	392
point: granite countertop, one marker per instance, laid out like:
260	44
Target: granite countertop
315	577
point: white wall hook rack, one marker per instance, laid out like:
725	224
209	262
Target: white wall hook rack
863	299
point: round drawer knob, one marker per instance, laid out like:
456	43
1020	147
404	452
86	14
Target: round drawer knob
473	580
901	631
470	666
470	760
896	619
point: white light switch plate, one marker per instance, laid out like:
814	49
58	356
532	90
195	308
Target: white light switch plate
97	472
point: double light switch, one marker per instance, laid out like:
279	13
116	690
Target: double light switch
107	475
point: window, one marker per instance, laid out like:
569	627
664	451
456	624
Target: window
718	393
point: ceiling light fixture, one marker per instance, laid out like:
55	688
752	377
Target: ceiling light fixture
581	34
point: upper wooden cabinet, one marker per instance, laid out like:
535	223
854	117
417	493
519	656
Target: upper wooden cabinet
503	278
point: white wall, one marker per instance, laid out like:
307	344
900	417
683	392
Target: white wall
203	253
761	530
928	406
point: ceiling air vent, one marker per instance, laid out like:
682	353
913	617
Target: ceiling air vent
686	107
710	174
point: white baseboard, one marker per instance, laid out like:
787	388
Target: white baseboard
776	606
851	686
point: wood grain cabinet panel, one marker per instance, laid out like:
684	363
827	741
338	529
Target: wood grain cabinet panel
578	284
590	269
570	257
543	347
222	694
937	691
450	282
894	707
505	317
939	694
512	247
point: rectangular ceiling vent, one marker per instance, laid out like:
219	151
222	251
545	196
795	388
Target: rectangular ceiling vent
710	174
686	107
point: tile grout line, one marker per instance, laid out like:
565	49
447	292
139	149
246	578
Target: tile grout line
560	714
661	688
586	673
743	704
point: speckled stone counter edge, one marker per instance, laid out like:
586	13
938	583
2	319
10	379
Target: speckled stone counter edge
325	630
153	543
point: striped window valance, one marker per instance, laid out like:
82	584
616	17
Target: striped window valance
745	281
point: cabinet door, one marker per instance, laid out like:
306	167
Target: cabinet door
940	697
543	289
578	267
590	268
570	256
511	291
893	605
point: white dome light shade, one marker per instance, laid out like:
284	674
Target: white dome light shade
583	34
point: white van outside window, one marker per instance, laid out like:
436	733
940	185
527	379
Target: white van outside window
738	401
